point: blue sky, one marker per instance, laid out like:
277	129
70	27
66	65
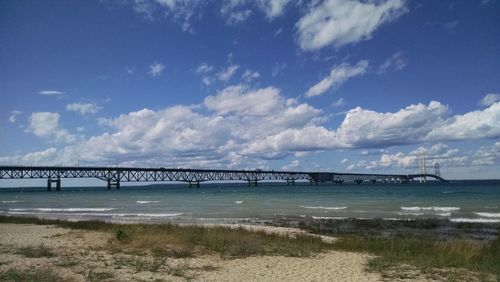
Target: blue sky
332	85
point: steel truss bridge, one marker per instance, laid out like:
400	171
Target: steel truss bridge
113	176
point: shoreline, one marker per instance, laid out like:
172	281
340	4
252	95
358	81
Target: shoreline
341	250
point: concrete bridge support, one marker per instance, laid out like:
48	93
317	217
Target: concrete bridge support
374	181
57	181
112	183
359	181
194	184
290	182
252	183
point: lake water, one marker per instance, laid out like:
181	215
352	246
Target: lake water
465	201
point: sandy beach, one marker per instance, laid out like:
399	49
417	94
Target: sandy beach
77	255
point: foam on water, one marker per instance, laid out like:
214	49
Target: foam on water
328	217
239	202
65	210
487	214
100	214
444	209
324	208
11	202
146	202
475	220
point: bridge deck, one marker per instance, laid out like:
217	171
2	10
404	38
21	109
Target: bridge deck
115	175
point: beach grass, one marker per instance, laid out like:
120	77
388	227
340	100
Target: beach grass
36	251
429	255
15	274
169	240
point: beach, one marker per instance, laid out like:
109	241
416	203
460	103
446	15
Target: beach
79	256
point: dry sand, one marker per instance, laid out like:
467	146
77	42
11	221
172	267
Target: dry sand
78	257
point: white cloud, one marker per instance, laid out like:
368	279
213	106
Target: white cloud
293	165
472	125
13	116
226	74
204	68
240	126
487	155
339	103
242	101
337	76
51	92
250	75
273	8
395	62
490	99
84	108
340	22
46	125
156	69
178	11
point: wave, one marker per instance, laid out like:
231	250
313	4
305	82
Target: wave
9	202
328	217
102	214
487	214
65	210
443	209
411	213
324	208
147	202
475	220
239	202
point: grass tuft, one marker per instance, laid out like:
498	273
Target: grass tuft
36	251
14	274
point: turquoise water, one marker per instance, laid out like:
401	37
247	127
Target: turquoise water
473	201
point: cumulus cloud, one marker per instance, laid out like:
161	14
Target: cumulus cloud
46	125
490	99
337	76
339	103
84	108
340	22
240	126
396	62
13	116
156	69
51	92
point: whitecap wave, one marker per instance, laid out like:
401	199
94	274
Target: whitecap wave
475	220
443	209
411	213
328	217
239	202
9	202
324	208
101	214
147	214
487	214
65	209
146	202
444	213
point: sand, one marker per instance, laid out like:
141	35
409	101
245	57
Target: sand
78	257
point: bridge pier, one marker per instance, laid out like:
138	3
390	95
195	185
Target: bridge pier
112	183
359	181
57	181
252	183
194	184
290	182
374	181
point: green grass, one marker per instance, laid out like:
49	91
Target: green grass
36	251
168	240
44	275
429	255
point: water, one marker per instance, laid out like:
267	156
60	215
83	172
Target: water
468	201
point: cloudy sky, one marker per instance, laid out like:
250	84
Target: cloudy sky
330	85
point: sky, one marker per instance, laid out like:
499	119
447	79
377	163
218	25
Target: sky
323	85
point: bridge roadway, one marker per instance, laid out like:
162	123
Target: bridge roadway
113	176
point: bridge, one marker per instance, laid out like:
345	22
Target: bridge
113	176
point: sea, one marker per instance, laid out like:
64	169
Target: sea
457	201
